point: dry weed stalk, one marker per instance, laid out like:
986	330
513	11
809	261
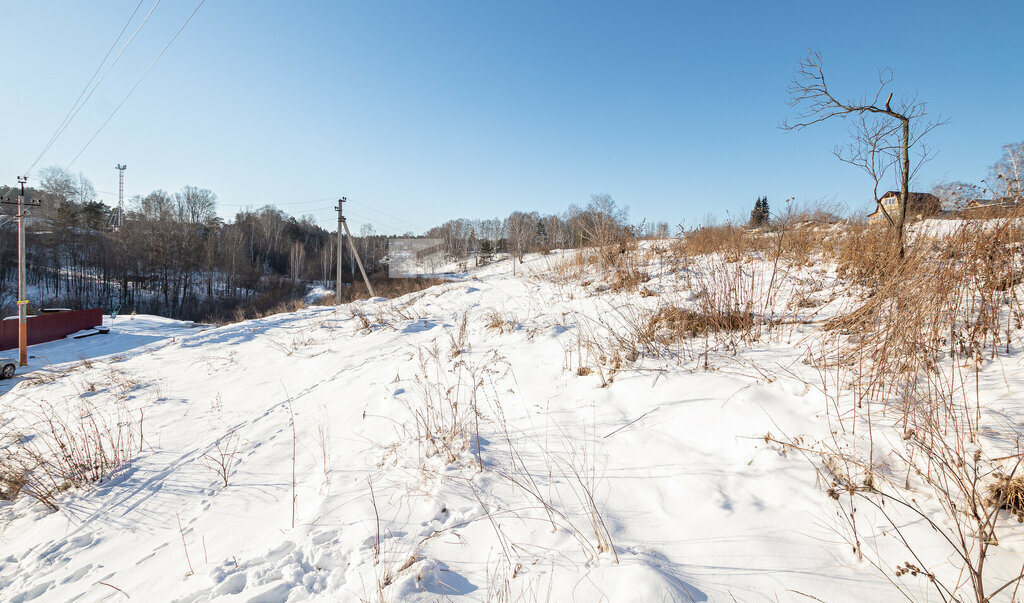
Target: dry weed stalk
448	416
77	447
184	545
223	456
910	357
323	441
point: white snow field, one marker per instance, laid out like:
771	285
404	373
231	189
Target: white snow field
466	442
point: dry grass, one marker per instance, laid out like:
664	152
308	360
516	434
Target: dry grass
73	447
671	323
382	287
732	241
501	321
447	416
910	358
1007	493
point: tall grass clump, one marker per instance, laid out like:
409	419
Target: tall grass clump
53	450
910	358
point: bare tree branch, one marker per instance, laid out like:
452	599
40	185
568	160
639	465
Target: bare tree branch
882	136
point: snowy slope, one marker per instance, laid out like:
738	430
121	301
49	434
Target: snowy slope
671	457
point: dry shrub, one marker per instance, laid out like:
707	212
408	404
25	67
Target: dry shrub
293	305
678	322
628	280
75	447
12	480
222	458
732	241
361	319
944	299
502	322
618	265
864	253
1007	493
817	212
912	353
575	266
447	418
382	287
281	296
801	242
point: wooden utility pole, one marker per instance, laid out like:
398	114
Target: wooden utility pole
343	226
22	297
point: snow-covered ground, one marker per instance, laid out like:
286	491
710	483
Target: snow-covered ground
652	481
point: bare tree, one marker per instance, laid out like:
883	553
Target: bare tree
85	192
605	220
521	230
58	183
327	255
196	205
1006	177
882	136
956	195
490	230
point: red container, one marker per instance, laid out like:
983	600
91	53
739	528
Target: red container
49	326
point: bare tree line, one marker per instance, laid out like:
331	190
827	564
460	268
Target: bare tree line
602	222
174	256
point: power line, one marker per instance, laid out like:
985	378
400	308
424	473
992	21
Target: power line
275	204
39	180
363	217
374	218
148	69
76	107
386	214
369	207
371	219
321	221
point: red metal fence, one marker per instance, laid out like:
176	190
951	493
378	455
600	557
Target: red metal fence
49	327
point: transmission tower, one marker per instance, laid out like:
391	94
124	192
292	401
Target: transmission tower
120	195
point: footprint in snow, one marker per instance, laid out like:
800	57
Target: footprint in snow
33	593
78	574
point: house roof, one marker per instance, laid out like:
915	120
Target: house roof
918	201
914	197
1001	202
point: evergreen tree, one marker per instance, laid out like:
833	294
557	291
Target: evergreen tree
759	215
486	251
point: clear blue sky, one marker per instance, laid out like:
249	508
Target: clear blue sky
424	111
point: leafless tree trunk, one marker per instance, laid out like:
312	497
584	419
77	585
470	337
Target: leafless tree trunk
875	137
1006	178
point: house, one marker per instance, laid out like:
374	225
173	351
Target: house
988	208
920	205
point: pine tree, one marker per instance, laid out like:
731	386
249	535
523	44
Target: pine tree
486	251
759	215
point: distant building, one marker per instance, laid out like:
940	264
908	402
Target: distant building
988	208
920	205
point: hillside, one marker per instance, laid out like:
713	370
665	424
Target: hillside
565	433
